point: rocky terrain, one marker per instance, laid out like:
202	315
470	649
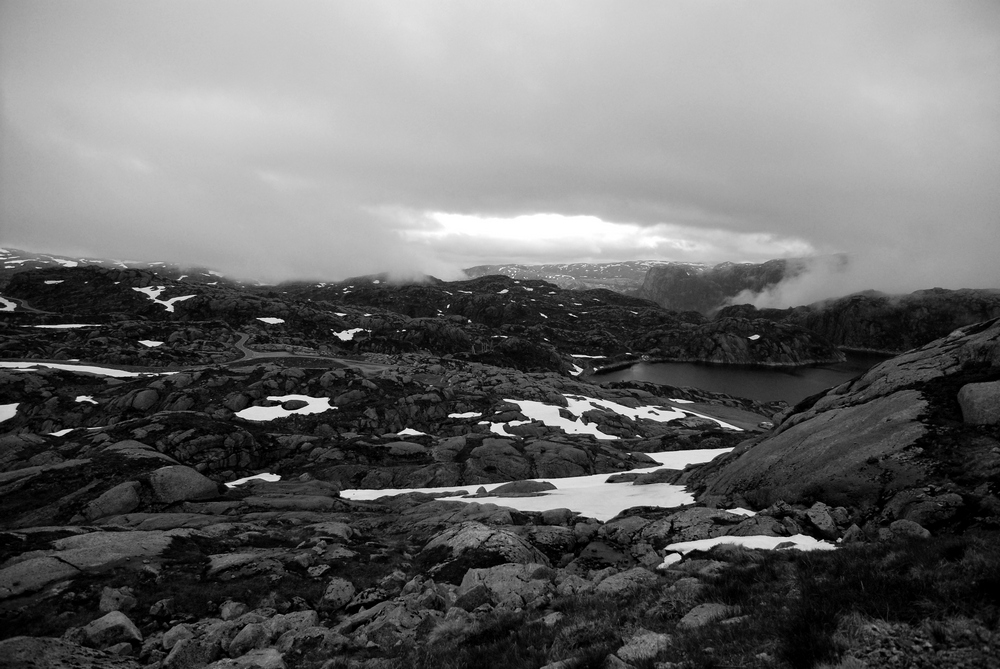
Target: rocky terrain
133	407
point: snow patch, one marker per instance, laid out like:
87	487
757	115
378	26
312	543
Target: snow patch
754	337
410	432
53	283
800	541
313	405
154	292
256	477
150	343
348	335
85	398
270	320
7	411
83	369
589	495
467	414
7	305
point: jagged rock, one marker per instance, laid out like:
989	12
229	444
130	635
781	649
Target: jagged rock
123	498
690	525
471	598
23	652
252	636
339	592
472	544
191	654
820	518
231	610
111	628
175	634
117	599
759	525
980	403
179	483
512	585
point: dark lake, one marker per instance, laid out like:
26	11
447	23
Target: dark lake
759	383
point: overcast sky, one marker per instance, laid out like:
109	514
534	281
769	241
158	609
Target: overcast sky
334	138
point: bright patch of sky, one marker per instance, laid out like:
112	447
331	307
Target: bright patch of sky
259	413
557	235
154	292
271	320
589	495
7	411
83	369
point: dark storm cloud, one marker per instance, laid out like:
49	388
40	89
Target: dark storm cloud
320	139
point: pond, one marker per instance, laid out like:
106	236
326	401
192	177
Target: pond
765	384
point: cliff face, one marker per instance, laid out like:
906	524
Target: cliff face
881	322
901	441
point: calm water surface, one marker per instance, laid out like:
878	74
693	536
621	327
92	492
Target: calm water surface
760	383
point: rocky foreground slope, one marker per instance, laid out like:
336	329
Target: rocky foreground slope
916	438
123	546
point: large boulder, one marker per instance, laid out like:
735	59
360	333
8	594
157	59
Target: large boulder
473	545
513	585
860	443
980	403
178	483
112	628
123	498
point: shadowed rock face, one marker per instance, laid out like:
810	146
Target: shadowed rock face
880	322
895	427
742	341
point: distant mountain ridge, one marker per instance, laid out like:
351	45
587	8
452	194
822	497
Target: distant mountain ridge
623	277
14	261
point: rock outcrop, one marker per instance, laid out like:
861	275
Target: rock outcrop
896	428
